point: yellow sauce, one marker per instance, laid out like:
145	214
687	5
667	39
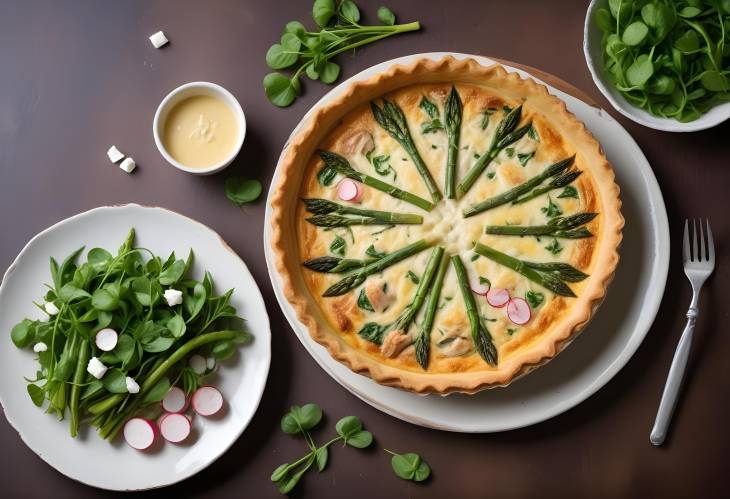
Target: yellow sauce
200	131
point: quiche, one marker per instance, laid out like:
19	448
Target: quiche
445	227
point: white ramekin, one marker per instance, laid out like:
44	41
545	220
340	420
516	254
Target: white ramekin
190	90
593	52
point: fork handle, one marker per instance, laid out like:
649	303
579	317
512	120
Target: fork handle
674	380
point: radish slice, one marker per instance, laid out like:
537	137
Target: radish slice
175	401
175	428
479	288
497	297
139	433
162	416
207	400
349	190
518	311
197	363
106	339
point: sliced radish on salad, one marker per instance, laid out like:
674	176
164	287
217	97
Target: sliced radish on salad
140	433
175	401
518	311
207	401
479	287
498	297
106	339
349	190
175	427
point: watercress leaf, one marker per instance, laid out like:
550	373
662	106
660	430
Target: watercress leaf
142	288
349	11
279	89
338	246
604	20
173	273
280	472
223	350
37	395
289	423
157	392
286	484
158	344
104	299
569	192
115	381
22	333
364	302
99	258
534	299
422	472
640	71
360	440
126	350
176	325
688	42
312	72
92	389
635	33
309	415
321	456
405	465
330	72
277	57
240	190
689	12
429	108
620	9
371	251
322	12
714	81
290	42
348	426
194	303
661	85
386	16
69	292
326	176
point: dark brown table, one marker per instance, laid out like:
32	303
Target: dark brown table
77	76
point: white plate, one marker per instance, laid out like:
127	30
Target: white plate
593	358
88	458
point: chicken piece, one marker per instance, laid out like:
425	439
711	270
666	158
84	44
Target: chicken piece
394	343
377	292
359	142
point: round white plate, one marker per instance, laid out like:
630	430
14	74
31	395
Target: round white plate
593	358
88	458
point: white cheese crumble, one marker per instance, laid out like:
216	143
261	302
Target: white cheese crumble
158	39
114	154
132	386
173	297
96	368
198	364
210	363
51	308
40	347
128	165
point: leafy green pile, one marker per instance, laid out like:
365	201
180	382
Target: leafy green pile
671	58
311	52
123	292
299	420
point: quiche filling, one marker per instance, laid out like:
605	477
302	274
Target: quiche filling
474	228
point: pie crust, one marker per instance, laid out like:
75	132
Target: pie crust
564	322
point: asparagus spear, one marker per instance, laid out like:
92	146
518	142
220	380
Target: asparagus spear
517	191
356	278
566	227
342	166
331	221
391	118
549	276
423	340
506	134
452	112
556	183
334	265
326	207
479	333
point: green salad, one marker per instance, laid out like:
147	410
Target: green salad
669	57
120	331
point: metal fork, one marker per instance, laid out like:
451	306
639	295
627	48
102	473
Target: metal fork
698	266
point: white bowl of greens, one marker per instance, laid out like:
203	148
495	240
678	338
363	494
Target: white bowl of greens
679	88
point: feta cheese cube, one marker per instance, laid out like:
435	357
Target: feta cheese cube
132	386
158	39
40	347
128	165
51	308
114	154
173	297
96	368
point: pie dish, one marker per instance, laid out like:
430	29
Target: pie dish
417	192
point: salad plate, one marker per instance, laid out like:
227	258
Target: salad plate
594	358
241	379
